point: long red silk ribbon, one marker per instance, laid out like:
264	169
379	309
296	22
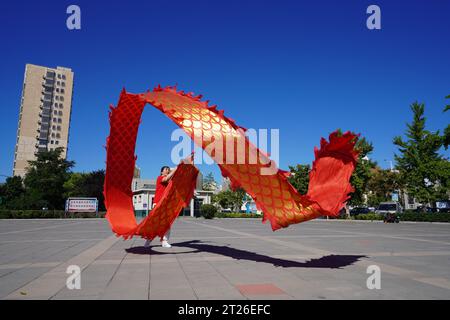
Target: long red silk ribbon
280	202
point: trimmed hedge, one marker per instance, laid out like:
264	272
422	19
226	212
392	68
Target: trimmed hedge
368	216
208	211
409	216
46	214
238	215
426	217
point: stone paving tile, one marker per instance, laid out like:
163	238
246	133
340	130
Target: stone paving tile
94	281
212	259
18	279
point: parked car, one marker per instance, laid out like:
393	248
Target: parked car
425	209
359	210
389	207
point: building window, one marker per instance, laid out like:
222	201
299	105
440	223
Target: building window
53	135
58	135
58	128
56	142
51	142
54	120
61	98
64	77
57	97
60	105
60	113
53	127
55	112
62	91
59	120
50	74
59	76
63	84
57	90
58	83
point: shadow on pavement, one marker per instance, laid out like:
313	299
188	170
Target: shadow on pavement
330	261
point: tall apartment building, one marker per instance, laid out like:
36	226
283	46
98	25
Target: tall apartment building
45	110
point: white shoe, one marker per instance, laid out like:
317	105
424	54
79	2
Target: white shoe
165	244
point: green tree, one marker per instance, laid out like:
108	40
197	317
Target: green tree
299	177
209	183
11	191
230	199
239	196
381	185
447	129
73	185
93	185
447	107
86	185
45	178
2	195
221	199
423	171
362	173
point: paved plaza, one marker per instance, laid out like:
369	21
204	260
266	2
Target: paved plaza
225	259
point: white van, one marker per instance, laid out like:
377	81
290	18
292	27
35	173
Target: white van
389	207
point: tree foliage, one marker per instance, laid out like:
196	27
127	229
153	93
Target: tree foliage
447	129
86	185
230	199
423	170
45	179
360	177
381	185
299	177
12	192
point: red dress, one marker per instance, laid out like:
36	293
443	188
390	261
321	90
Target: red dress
160	187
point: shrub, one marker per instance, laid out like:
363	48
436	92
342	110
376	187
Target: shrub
46	214
409	216
369	216
426	217
238	215
208	211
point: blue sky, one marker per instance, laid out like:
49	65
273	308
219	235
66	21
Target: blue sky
303	67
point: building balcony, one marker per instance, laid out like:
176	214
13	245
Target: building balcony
48	83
